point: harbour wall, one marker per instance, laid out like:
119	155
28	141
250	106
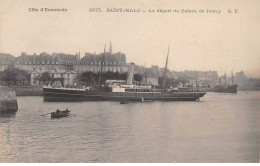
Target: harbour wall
8	101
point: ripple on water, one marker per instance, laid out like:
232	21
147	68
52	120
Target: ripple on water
219	128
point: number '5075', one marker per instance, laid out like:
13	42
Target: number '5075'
95	10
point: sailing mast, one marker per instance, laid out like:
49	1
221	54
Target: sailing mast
165	69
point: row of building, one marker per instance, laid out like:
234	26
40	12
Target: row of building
68	66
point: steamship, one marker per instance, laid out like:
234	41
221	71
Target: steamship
118	90
226	88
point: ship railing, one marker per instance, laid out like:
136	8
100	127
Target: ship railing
65	88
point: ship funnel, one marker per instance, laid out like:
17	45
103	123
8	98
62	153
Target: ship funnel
130	74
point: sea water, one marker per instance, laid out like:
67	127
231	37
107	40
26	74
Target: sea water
218	128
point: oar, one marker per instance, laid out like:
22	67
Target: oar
72	114
45	114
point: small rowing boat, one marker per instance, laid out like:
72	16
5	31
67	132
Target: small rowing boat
60	114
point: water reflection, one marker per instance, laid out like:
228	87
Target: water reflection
8	114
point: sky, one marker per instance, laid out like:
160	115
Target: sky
198	41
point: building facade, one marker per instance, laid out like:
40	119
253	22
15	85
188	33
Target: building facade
150	80
45	62
6	61
107	61
65	77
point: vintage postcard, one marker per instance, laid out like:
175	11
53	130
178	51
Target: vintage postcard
119	81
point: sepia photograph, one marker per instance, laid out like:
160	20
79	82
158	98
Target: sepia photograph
120	81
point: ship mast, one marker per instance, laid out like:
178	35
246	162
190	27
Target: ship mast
165	69
99	78
102	63
225	76
232	77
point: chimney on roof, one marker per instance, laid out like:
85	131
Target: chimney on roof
77	56
34	56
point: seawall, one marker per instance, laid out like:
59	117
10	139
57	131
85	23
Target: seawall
8	101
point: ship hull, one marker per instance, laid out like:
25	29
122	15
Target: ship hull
76	95
226	88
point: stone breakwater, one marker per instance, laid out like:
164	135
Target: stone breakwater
8	101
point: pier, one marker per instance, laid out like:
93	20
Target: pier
8	101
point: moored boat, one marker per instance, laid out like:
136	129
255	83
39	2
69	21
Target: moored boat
226	88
